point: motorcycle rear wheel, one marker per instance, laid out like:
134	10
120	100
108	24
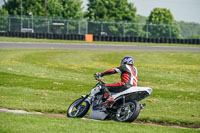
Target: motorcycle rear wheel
80	111
128	112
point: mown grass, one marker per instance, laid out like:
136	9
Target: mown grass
12	123
49	80
15	39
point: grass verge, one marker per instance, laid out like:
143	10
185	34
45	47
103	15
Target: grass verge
18	123
49	80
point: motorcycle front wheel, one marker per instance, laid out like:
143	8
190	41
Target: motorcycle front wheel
80	111
128	112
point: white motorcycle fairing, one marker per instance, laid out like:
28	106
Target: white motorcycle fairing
137	93
133	93
97	115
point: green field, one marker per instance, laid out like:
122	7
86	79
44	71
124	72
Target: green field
12	123
49	80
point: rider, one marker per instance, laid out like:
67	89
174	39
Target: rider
128	76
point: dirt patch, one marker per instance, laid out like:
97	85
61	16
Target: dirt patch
55	115
196	126
84	118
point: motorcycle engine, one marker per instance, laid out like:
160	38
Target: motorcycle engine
96	102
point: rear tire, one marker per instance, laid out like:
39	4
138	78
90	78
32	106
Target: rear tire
80	111
128	112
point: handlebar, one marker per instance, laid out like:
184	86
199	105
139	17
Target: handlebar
98	78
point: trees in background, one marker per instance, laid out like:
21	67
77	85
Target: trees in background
72	9
112	17
55	8
3	21
14	7
3	12
162	24
187	29
190	30
113	11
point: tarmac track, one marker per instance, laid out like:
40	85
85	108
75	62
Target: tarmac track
34	45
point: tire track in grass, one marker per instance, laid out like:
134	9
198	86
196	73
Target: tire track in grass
197	127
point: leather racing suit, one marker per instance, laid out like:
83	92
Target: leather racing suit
128	78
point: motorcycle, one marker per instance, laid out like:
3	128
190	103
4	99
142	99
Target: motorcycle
123	106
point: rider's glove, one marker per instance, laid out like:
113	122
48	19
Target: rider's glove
97	75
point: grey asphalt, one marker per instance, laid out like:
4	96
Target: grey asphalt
34	45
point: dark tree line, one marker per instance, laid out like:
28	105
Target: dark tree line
160	22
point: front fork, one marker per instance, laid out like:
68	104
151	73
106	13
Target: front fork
84	97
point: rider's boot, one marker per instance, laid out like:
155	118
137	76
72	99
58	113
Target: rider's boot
109	100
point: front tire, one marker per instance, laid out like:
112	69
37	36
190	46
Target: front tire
128	112
80	111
